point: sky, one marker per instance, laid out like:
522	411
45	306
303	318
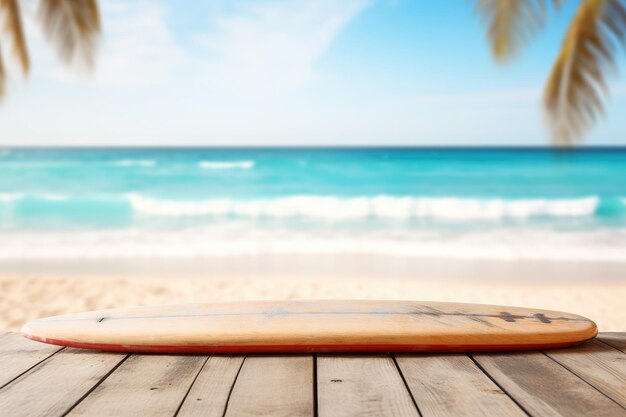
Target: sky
292	72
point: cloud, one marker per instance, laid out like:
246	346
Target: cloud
495	97
138	46
256	47
271	47
203	75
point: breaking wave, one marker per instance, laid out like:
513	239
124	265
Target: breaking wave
315	207
146	163
226	164
9	197
323	207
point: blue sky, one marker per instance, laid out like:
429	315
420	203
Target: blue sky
241	72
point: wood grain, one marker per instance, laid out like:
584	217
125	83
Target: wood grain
54	386
368	386
452	385
18	355
150	385
276	386
601	365
617	340
570	382
210	392
544	388
305	326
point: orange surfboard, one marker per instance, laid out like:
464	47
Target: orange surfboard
314	326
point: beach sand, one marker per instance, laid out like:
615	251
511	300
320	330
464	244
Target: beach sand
32	292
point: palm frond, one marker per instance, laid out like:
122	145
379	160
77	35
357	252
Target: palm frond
573	93
73	26
2	77
510	23
12	26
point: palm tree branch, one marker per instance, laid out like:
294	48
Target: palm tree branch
73	26
510	23
574	90
2	77
12	26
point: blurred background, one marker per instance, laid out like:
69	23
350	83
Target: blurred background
279	149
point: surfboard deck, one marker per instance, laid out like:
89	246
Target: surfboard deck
314	326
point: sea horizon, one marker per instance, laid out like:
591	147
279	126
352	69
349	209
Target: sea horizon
548	147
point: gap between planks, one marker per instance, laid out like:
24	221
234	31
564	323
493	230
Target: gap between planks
542	386
19	355
453	385
600	365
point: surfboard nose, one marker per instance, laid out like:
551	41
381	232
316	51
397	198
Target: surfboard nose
38	331
56	329
31	331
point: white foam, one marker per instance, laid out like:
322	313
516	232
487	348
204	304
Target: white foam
460	209
9	197
456	209
134	163
226	164
52	197
157	207
243	239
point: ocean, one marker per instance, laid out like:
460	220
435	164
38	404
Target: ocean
471	203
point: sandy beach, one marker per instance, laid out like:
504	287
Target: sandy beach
593	290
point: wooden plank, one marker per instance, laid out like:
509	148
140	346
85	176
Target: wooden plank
364	385
151	385
209	394
452	385
543	387
18	355
600	365
617	340
273	386
51	388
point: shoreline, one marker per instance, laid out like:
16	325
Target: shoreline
323	265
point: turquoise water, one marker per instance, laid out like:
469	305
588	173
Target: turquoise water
410	202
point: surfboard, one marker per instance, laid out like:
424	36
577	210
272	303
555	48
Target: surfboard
314	326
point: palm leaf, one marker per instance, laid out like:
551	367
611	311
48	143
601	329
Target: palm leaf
510	23
73	26
573	93
12	26
2	77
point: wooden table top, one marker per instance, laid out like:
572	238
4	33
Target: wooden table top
44	380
